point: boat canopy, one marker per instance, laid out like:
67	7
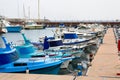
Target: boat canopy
70	36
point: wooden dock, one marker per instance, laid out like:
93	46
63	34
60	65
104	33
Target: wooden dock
105	66
106	63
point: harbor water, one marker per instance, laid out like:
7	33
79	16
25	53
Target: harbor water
32	35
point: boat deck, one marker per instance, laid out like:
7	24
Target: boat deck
105	66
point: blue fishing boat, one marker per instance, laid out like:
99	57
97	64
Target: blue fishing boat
33	65
55	49
11	28
14	28
72	43
7	53
58	46
25	49
66	52
10	64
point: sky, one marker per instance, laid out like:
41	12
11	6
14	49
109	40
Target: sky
62	9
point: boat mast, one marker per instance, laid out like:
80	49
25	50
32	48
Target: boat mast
29	12
24	16
24	11
38	10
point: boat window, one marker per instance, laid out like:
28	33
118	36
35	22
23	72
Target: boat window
20	64
33	56
30	23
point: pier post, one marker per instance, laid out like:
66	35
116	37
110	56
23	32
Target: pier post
27	71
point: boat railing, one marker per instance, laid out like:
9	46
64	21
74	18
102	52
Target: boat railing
25	39
42	59
8	45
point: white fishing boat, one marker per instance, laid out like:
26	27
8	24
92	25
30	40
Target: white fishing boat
30	24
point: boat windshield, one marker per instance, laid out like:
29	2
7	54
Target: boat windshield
30	23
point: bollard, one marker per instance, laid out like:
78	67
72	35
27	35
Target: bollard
27	71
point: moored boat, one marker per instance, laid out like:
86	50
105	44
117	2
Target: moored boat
33	65
32	25
54	49
9	62
14	28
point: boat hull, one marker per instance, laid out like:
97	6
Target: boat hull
33	27
49	70
14	28
50	67
8	57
